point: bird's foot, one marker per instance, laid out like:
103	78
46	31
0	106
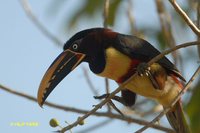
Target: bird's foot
102	96
144	69
116	98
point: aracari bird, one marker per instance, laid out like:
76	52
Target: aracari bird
117	56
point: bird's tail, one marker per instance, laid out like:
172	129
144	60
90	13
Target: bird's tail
177	119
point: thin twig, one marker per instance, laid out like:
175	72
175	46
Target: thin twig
105	13
80	111
27	8
137	104
157	108
90	84
107	92
131	18
198	25
173	49
105	25
115	107
172	103
165	21
185	17
107	86
96	126
98	106
166	27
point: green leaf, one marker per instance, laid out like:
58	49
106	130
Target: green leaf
55	6
114	5
161	40
193	109
88	9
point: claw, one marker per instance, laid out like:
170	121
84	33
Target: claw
110	101
102	96
142	69
147	73
114	107
154	83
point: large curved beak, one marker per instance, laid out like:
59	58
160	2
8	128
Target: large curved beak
61	67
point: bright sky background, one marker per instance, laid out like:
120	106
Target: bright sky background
25	55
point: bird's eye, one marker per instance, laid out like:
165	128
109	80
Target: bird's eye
75	46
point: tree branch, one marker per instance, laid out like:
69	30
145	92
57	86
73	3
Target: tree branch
80	111
155	59
185	17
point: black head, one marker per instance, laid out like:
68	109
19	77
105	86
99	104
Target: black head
90	42
81	35
87	45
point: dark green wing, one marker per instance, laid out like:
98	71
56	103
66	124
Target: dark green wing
142	50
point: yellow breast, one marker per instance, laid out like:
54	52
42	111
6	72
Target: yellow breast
117	64
143	86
